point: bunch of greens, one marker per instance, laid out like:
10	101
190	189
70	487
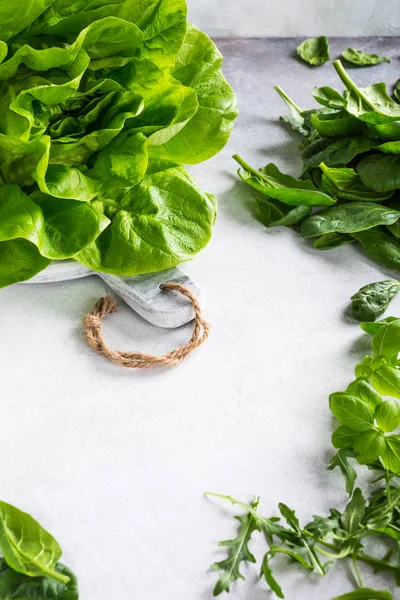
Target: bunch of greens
30	567
101	103
351	176
369	417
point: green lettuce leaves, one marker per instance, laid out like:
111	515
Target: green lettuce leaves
101	105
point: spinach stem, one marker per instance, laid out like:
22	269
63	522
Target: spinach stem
286	98
349	83
245	165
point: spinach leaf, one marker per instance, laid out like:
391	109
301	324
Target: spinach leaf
346	184
328	97
337	124
381	246
328	241
335	152
380	172
13	585
348	218
373	299
276	214
372	104
362	59
314	51
274	184
26	546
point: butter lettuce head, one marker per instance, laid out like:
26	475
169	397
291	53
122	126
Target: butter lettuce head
102	102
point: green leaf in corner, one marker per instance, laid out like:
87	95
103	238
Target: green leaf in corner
354	512
380	172
346	184
369	446
391	456
363	59
365	594
314	51
381	246
340	459
26	546
19	260
267	573
374	327
238	552
328	241
13	585
387	415
362	389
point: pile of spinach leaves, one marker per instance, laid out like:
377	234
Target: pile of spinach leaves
29	565
101	105
349	191
368	416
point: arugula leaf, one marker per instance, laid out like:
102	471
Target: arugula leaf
354	512
238	552
348	218
267	573
365	594
314	51
362	59
26	546
373	299
340	459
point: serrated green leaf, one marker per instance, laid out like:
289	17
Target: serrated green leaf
354	512
340	459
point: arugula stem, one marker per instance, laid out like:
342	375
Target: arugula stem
357	572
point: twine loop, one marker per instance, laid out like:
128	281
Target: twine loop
140	360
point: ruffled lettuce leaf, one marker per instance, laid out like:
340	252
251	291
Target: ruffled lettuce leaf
102	102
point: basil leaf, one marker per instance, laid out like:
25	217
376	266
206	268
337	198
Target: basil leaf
372	300
351	412
386	380
362	389
13	585
343	437
362	59
391	456
374	327
386	341
353	515
348	218
26	546
369	446
387	415
314	51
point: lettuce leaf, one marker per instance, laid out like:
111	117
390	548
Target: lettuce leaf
102	102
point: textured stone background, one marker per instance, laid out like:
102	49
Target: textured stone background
296	17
